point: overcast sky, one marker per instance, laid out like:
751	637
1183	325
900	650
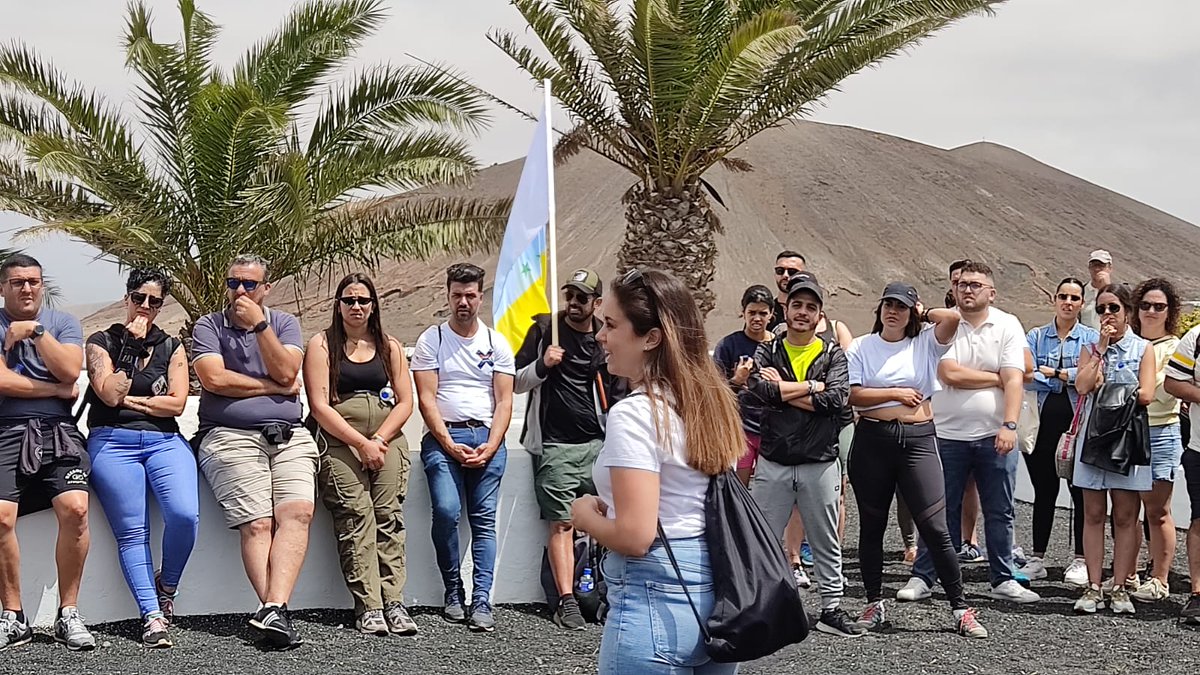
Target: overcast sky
1090	86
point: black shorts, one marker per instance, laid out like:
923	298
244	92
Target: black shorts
54	478
1191	473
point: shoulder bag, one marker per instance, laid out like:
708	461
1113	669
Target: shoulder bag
1064	454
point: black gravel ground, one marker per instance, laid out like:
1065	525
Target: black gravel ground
1041	638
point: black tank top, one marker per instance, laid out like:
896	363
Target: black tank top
151	379
368	376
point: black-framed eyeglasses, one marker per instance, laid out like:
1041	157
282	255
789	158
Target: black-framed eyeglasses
970	286
139	299
18	284
1064	297
1153	306
578	296
790	271
249	284
352	300
1110	308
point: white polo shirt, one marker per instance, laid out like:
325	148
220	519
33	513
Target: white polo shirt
465	367
972	414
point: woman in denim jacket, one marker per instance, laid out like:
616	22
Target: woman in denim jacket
1056	348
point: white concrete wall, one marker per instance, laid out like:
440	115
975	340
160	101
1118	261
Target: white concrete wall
215	582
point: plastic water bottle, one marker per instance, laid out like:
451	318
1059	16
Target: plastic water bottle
586	582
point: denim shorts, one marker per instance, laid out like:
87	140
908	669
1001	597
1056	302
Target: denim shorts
650	627
1166	451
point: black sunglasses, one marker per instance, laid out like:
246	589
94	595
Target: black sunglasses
790	271
1066	296
140	299
582	297
1110	308
248	284
352	300
1156	306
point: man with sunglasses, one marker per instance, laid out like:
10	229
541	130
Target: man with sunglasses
259	460
569	393
787	265
975	416
42	453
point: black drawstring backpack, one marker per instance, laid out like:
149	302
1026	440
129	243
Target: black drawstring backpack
757	609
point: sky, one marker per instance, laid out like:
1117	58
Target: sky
1092	87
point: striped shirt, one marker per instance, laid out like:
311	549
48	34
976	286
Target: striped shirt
1182	366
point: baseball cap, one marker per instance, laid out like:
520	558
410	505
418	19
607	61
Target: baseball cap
1100	255
586	281
901	292
805	281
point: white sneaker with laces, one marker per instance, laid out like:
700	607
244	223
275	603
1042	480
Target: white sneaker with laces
1076	574
916	589
1013	592
1151	591
1034	569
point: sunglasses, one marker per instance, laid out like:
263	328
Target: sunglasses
1111	308
139	299
790	271
578	296
248	284
1153	306
1065	297
352	300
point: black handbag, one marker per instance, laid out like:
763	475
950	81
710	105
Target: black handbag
1118	430
757	609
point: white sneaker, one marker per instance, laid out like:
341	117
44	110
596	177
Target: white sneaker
1151	591
1013	592
916	589
1076	574
1035	569
1119	601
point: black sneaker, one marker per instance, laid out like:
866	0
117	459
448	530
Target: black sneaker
275	623
482	620
837	622
567	615
454	611
1190	614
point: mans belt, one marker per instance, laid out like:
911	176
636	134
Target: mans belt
469	424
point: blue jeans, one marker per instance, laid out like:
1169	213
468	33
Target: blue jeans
650	627
996	477
448	480
123	462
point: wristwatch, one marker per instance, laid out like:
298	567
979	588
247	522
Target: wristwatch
38	331
262	325
1057	372
1011	426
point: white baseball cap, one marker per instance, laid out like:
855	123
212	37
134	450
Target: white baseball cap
1100	255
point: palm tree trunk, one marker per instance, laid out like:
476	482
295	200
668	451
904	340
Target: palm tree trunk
185	336
675	232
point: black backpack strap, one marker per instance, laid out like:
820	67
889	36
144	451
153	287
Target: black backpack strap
671	555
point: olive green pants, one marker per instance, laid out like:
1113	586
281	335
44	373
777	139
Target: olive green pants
366	506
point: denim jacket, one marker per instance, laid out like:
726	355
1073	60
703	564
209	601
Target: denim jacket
1046	347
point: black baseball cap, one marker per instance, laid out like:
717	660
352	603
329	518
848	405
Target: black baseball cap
901	292
805	281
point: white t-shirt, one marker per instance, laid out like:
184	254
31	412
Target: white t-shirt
631	442
465	367
972	414
1182	366
911	362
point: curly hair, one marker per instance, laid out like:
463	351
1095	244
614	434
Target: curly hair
140	276
1174	305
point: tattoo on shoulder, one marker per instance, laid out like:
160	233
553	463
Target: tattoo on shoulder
95	358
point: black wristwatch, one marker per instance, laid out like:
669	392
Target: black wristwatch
38	331
1057	372
262	325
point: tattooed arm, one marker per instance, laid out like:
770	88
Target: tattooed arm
109	384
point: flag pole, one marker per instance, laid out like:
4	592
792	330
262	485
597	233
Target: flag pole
551	226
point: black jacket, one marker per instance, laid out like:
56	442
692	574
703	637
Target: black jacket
791	435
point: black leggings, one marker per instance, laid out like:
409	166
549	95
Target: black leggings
1055	421
890	456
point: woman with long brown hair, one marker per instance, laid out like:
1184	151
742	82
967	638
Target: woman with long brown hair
679	427
360	394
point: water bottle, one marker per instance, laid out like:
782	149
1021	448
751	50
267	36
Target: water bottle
586	582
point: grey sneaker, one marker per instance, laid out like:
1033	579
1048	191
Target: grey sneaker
70	630
482	620
398	620
13	632
371	622
454	612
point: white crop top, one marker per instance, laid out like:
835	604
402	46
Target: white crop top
912	362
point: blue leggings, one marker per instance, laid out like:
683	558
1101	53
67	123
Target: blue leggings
123	462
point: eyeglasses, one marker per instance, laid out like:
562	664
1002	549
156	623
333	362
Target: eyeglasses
1153	306
1064	297
971	286
578	296
1111	308
18	284
790	271
140	299
352	300
249	284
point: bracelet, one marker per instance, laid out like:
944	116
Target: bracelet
925	316
379	438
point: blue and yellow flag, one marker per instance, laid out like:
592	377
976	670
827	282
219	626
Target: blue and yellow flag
521	273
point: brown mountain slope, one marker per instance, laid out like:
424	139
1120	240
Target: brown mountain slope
863	207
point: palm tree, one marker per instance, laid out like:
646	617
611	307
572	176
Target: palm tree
669	88
217	162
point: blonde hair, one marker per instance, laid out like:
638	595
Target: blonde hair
680	368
